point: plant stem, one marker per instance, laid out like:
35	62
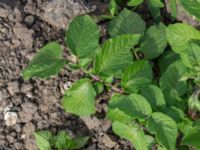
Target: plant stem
98	79
115	89
136	55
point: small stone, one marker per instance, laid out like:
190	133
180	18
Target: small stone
18	146
54	117
67	85
15	43
17	100
10	139
23	136
17	128
13	87
29	95
29	20
24	34
4	12
28	110
26	88
91	122
10	118
107	141
106	124
2	139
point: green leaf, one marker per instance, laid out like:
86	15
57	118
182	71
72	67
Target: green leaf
46	63
167	58
192	138
191	57
132	3
154	41
173	8
133	105
80	98
194	103
197	123
179	35
113	7
62	141
99	87
42	140
173	112
115	54
192	7
185	125
154	96
151	141
118	115
157	3
154	10
161	148
79	142
115	114
83	37
164	128
132	133
136	76
170	80
127	22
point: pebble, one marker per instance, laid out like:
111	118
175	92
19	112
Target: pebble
10	118
29	20
24	34
18	146
2	139
26	88
10	139
107	141
28	110
4	12
17	128
13	87
67	85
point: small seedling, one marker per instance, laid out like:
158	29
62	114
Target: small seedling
45	140
155	100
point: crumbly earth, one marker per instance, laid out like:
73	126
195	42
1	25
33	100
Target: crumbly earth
28	106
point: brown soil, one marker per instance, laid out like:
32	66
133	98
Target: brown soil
25	26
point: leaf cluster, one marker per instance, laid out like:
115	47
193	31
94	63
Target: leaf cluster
62	141
153	72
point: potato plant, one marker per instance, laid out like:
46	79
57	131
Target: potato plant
153	72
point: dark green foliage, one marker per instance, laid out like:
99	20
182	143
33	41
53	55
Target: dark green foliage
153	72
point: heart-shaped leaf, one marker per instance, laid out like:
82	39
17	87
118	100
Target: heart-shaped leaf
154	96
154	41
134	105
115	54
164	128
46	63
82	37
136	76
80	98
127	22
132	133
